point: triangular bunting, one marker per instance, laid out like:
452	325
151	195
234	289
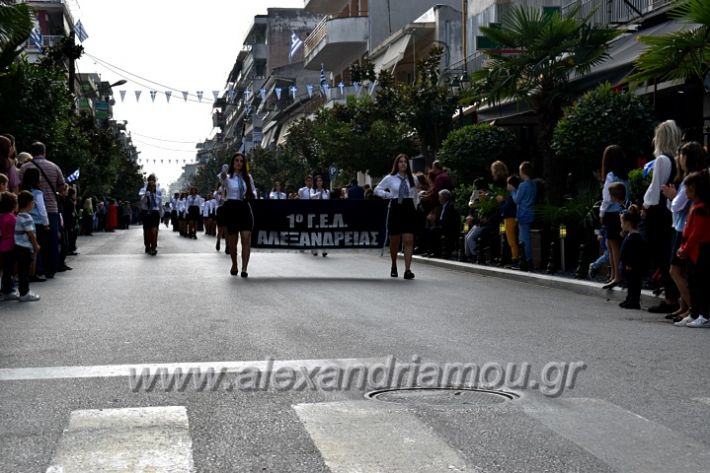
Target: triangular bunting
168	94
122	93
341	86
293	90
262	92
185	94
153	93
199	95
309	88
278	91
138	95
216	94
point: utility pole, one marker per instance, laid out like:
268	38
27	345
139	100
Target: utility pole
72	74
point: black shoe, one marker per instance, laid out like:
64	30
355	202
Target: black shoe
627	305
245	274
671	316
325	254
408	274
393	273
64	268
72	253
233	272
216	247
663	307
147	250
38	278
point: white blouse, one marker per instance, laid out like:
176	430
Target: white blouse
236	187
323	194
392	183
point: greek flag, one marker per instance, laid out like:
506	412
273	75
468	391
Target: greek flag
323	80
296	44
80	32
36	38
73	177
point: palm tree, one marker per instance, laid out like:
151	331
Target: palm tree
549	49
16	22
682	54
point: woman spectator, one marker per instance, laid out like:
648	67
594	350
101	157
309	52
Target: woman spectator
7	162
508	209
614	170
400	189
691	158
87	217
524	197
666	141
239	187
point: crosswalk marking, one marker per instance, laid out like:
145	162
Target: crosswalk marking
625	441
135	440
368	437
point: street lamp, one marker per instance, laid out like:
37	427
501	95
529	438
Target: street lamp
117	83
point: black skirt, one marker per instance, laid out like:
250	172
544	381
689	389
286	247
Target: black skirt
193	212
612	225
238	216
221	220
401	218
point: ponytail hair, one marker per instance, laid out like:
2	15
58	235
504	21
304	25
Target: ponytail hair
632	216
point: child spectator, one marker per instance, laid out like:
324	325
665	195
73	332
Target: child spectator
26	246
524	197
8	205
617	197
3	183
696	248
30	182
632	259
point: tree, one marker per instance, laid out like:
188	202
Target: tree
550	49
682	54
470	150
15	27
600	118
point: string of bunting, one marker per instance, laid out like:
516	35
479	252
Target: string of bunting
232	95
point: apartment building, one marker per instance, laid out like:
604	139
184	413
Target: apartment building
54	21
272	44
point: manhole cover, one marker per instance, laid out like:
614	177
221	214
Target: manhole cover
442	396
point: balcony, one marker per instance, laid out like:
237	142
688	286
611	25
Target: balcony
336	43
219	120
611	12
325	6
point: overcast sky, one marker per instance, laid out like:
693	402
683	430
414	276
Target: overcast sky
181	44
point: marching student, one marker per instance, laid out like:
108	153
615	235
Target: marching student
174	211
304	193
320	193
207	214
276	192
26	246
399	188
239	220
193	203
182	214
151	208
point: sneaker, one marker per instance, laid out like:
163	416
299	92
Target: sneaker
592	273
29	297
13	296
683	322
699	322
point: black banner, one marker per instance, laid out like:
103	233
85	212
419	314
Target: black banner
319	224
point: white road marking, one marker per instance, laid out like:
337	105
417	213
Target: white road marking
120	371
368	437
704	400
624	440
137	440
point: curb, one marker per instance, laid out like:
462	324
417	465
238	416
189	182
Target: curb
584	287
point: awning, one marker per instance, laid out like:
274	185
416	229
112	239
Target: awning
395	52
624	51
269	134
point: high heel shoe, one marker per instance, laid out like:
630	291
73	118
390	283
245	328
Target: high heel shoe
234	272
245	274
393	272
408	274
611	285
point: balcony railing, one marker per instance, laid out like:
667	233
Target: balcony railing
316	36
609	12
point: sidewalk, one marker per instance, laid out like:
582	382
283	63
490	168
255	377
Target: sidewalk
579	286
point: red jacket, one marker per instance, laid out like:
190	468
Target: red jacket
697	231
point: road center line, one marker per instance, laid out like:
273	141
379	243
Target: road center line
120	371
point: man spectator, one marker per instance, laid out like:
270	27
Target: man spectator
443	233
440	180
51	180
355	192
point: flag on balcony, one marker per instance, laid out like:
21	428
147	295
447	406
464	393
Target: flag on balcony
36	38
296	44
323	81
80	32
73	177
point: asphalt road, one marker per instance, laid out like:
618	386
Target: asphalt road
641	404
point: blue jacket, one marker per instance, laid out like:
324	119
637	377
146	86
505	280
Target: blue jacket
524	197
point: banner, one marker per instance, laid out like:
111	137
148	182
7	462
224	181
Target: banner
319	224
